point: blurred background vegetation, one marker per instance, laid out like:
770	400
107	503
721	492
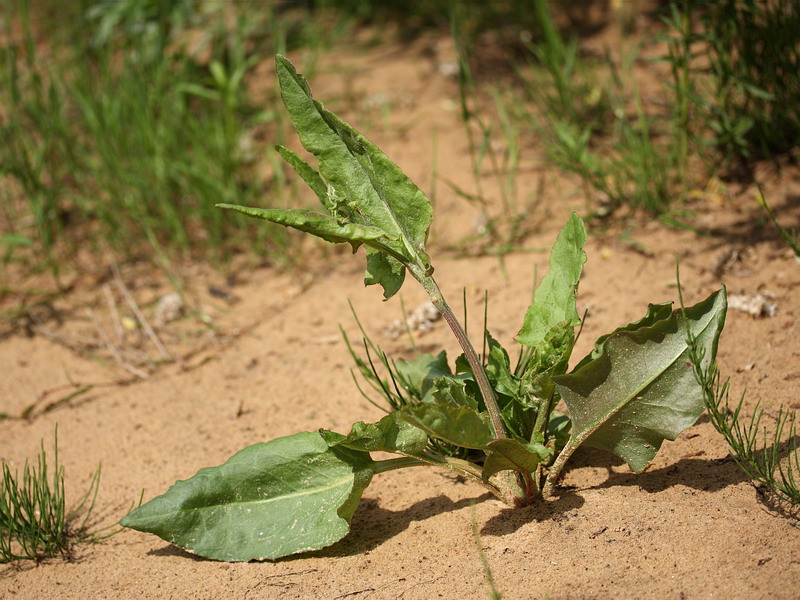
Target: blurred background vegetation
122	122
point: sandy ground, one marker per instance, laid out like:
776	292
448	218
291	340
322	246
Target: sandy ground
691	526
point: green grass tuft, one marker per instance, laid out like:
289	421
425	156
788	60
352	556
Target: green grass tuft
34	520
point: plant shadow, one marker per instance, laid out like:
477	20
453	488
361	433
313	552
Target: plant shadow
509	520
373	525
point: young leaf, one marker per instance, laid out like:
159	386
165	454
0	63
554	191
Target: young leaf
554	299
511	455
390	434
459	425
420	372
269	500
641	388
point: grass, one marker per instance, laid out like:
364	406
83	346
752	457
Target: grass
792	238
596	125
34	521
122	141
753	96
770	459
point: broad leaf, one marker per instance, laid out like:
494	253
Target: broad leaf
365	186
390	434
511	455
655	312
318	224
269	500
459	425
498	369
417	375
554	299
640	389
453	390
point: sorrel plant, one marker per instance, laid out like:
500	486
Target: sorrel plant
298	493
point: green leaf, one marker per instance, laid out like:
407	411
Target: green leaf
317	224
498	369
655	312
640	389
511	455
384	270
365	186
307	172
289	495
417	376
554	299
453	390
390	434
15	239
459	425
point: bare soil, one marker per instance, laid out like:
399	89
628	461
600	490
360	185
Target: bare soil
274	363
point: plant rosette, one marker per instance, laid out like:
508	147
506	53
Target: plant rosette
490	422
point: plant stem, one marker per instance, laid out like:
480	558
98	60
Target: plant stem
498	429
555	471
382	466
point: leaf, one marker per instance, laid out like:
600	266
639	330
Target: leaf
307	172
417	375
289	495
368	188
511	455
317	224
459	425
655	312
641	388
498	369
453	390
554	299
390	434
384	270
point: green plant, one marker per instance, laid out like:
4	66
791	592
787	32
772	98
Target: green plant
501	229
770	460
597	126
107	139
753	68
790	237
298	493
34	521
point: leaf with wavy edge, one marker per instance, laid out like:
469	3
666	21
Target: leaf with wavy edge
640	389
365	187
316	223
511	455
390	434
459	425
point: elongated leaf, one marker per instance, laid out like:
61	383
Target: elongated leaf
641	390
511	455
317	224
368	188
459	425
390	434
269	500
308	173
554	299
